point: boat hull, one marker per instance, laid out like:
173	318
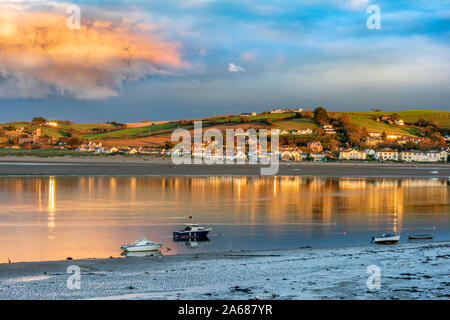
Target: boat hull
420	237
180	235
141	248
386	240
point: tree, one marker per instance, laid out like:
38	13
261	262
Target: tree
433	123
383	135
307	114
243	119
73	142
344	120
395	116
421	123
321	115
37	121
168	145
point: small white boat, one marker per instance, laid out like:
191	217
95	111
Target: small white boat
141	245
140	254
387	238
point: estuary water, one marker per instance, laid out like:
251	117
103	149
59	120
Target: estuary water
51	218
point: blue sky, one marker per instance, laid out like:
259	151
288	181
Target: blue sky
242	56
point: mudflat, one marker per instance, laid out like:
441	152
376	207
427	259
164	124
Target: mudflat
407	271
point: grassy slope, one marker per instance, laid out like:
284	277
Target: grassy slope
295	124
363	119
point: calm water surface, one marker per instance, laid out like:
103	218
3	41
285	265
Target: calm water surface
48	218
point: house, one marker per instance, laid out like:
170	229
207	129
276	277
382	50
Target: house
328	128
424	156
284	132
300	132
370	152
318	156
375	134
315	146
352	155
276	111
286	155
113	150
387	154
382	118
393	136
248	114
373	141
399	122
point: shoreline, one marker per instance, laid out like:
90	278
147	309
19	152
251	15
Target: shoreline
152	166
408	271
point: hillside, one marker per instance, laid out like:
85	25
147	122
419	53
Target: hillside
154	133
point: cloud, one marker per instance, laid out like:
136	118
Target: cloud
235	68
41	57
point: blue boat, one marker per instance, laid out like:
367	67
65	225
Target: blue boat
192	231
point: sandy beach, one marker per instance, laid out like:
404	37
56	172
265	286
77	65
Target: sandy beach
160	166
408	271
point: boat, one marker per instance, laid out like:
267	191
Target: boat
139	254
141	245
387	238
192	231
420	236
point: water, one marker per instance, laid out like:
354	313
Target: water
50	218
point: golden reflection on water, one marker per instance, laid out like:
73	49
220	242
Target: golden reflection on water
92	216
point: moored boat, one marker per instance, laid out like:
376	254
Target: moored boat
387	238
420	236
141	245
192	231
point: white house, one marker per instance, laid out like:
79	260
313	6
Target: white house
318	156
352	155
387	154
424	156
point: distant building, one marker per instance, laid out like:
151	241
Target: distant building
387	154
424	156
375	134
318	156
300	132
352	155
393	136
328	128
373	141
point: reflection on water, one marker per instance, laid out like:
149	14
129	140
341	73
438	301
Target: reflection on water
46	218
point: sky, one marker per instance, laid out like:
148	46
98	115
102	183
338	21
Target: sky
165	60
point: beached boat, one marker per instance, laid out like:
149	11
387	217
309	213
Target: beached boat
139	254
141	245
420	236
192	231
387	238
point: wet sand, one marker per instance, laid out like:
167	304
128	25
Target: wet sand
408	271
160	166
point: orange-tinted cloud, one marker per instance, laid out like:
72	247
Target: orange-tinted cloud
40	56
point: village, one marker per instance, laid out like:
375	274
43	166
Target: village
331	138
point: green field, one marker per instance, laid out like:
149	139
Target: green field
282	121
295	124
